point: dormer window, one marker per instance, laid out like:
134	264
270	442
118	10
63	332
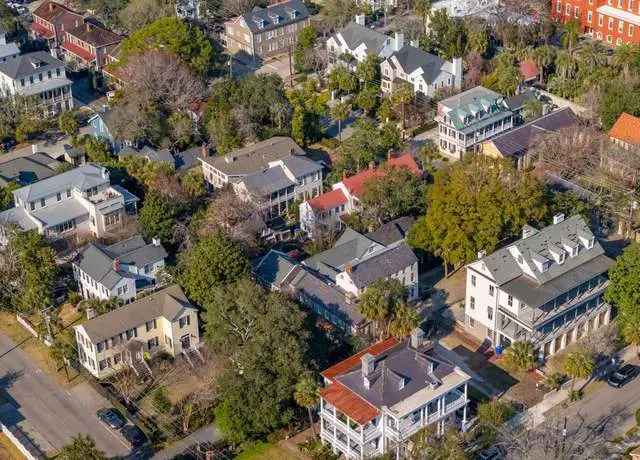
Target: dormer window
274	17
401	384
259	22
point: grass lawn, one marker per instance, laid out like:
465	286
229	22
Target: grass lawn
8	451
37	351
266	451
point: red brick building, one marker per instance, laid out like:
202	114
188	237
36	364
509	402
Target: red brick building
87	45
51	20
613	21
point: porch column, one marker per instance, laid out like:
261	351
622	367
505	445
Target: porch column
422	411
607	316
563	341
361	442
464	408
335	435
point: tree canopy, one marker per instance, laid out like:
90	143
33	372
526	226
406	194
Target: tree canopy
473	205
82	447
157	217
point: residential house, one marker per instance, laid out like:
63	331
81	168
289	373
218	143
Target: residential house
8	50
103	126
51	20
625	132
375	400
265	32
515	144
313	282
40	75
546	288
354	42
469	118
613	22
529	71
426	73
272	174
621	157
180	161
378	5
86	45
28	169
164	321
69	205
326	209
357	260
120	270
188	9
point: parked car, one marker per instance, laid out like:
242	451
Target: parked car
492	453
622	376
133	435
111	418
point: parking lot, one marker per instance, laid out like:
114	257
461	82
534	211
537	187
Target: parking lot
278	65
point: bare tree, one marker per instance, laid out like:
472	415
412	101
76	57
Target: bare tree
125	383
602	342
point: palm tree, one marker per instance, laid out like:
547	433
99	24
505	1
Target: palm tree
339	112
520	355
624	56
572	30
591	55
380	301
306	395
402	95
405	320
566	64
578	365
543	56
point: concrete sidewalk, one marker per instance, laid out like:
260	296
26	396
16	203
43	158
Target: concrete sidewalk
207	433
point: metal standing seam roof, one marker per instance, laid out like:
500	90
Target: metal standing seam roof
169	303
83	177
24	65
274	267
281	10
266	182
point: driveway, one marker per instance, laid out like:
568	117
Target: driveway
279	65
206	434
54	414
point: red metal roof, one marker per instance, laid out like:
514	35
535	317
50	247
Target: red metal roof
329	200
41	31
50	10
79	51
627	129
355	184
353	361
349	403
528	69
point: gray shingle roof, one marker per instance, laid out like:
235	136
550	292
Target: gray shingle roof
19	217
255	158
518	141
393	231
401	362
412	58
149	154
96	262
169	303
382	265
301	166
27	170
83	177
504	266
135	251
354	35
263	183
281	10
273	268
24	65
8	49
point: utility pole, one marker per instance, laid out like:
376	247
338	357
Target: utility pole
290	66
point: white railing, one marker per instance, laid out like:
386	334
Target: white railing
369	433
454	405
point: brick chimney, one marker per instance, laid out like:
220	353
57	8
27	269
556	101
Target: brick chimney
51	6
348	268
116	264
204	151
87	26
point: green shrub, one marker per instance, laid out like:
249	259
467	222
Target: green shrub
638	417
161	400
575	395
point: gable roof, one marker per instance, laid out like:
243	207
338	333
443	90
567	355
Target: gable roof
381	265
518	141
528	69
281	10
329	200
169	303
264	183
95	35
356	183
355	35
412	58
29	169
274	268
393	231
49	11
83	177
626	128
29	64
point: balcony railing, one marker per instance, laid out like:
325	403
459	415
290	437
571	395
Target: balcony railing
370	433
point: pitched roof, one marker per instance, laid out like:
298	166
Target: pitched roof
26	170
626	128
412	58
255	158
348	402
83	177
274	267
382	265
301	165
528	69
19	217
29	64
149	154
475	107
51	10
95	35
169	303
355	35
280	10
264	183
393	231
518	141
355	184
329	200
354	361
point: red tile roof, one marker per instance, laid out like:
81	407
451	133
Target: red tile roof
355	184
528	69
49	10
328	201
627	129
349	403
78	51
353	361
41	31
95	35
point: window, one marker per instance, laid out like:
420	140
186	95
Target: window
559	7
43	202
58	196
576	12
68	193
472	303
630	30
58	72
152	343
32	205
600	20
491	290
510	300
610	23
472	322
117	358
620	27
490	313
100	347
184	321
473	280
589	16
102	364
150	325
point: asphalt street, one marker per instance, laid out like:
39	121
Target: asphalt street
54	413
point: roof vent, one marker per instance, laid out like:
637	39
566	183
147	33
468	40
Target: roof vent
528	231
481	254
558	218
368	364
417	338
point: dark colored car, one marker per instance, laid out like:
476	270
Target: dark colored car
111	418
623	375
134	435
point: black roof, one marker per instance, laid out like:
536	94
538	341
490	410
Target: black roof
282	11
